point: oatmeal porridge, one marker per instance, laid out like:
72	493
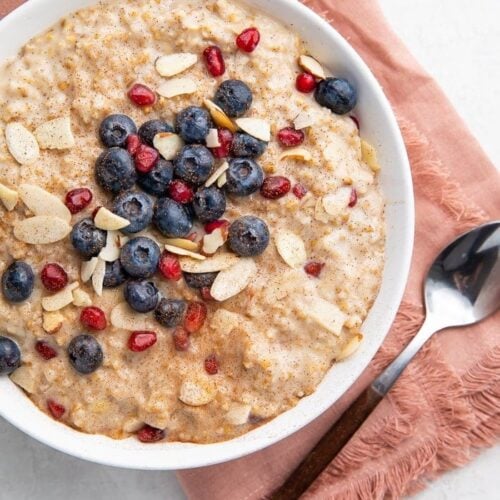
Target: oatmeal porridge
192	229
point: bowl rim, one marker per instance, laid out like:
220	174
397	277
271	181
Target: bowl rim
92	447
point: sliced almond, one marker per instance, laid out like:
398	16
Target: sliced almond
218	262
183	251
213	241
111	251
168	144
21	143
197	392
107	220
55	134
24	378
351	347
369	156
219	117
182	243
212	138
312	66
124	318
230	282
88	268
238	414
222	180
41	230
41	202
8	197
301	154
256	127
173	64
52	322
81	298
306	118
319	211
291	248
213	178
324	313
177	86
98	276
336	203
60	299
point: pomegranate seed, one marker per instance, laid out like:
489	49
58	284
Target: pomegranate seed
141	95
170	267
140	341
133	143
290	137
195	316
306	83
180	192
56	410
248	39
356	121
226	140
181	339
314	268
353	199
93	318
205	294
210	227
299	191
77	199
45	350
145	158
211	365
54	277
148	434
214	60
275	187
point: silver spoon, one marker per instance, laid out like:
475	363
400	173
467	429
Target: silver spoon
461	288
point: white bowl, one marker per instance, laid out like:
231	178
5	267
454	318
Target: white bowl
379	128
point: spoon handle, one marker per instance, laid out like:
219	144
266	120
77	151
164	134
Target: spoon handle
350	421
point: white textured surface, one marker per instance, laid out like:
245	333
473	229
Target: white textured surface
457	41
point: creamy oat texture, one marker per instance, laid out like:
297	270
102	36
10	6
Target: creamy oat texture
271	342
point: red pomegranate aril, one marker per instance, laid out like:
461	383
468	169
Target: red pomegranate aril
180	192
54	277
289	137
56	410
170	267
275	187
145	158
248	39
45	350
211	365
305	83
140	341
181	339
299	191
214	60
314	268
353	200
93	318
148	434
195	316
78	199
133	143
205	294
141	95
225	140
210	227
356	121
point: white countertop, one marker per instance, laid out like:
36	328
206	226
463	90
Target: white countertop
457	41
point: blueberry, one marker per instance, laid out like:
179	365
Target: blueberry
244	177
135	207
87	239
199	280
115	129
336	94
139	257
172	219
248	236
149	129
209	204
234	97
170	312
115	170
246	146
115	274
10	356
156	182
141	296
85	354
18	281
194	164
193	124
